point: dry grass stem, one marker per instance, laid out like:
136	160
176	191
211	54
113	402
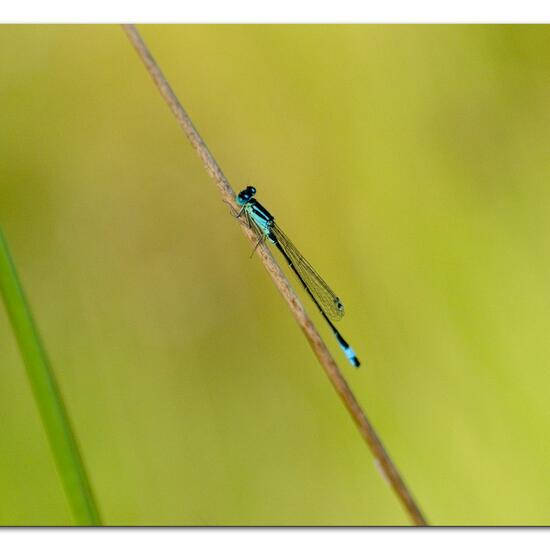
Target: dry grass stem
281	282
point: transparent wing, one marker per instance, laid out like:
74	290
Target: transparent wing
329	302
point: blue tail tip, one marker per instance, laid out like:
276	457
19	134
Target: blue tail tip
352	358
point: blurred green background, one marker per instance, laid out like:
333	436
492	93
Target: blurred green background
410	165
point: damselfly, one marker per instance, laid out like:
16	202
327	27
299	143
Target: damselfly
263	223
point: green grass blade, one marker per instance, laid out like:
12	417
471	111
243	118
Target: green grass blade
47	395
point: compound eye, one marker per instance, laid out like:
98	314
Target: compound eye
245	195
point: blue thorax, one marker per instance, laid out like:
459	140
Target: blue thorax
257	213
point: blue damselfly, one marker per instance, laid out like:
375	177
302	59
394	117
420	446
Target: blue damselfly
263	223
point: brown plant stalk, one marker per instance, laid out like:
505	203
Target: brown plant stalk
320	349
